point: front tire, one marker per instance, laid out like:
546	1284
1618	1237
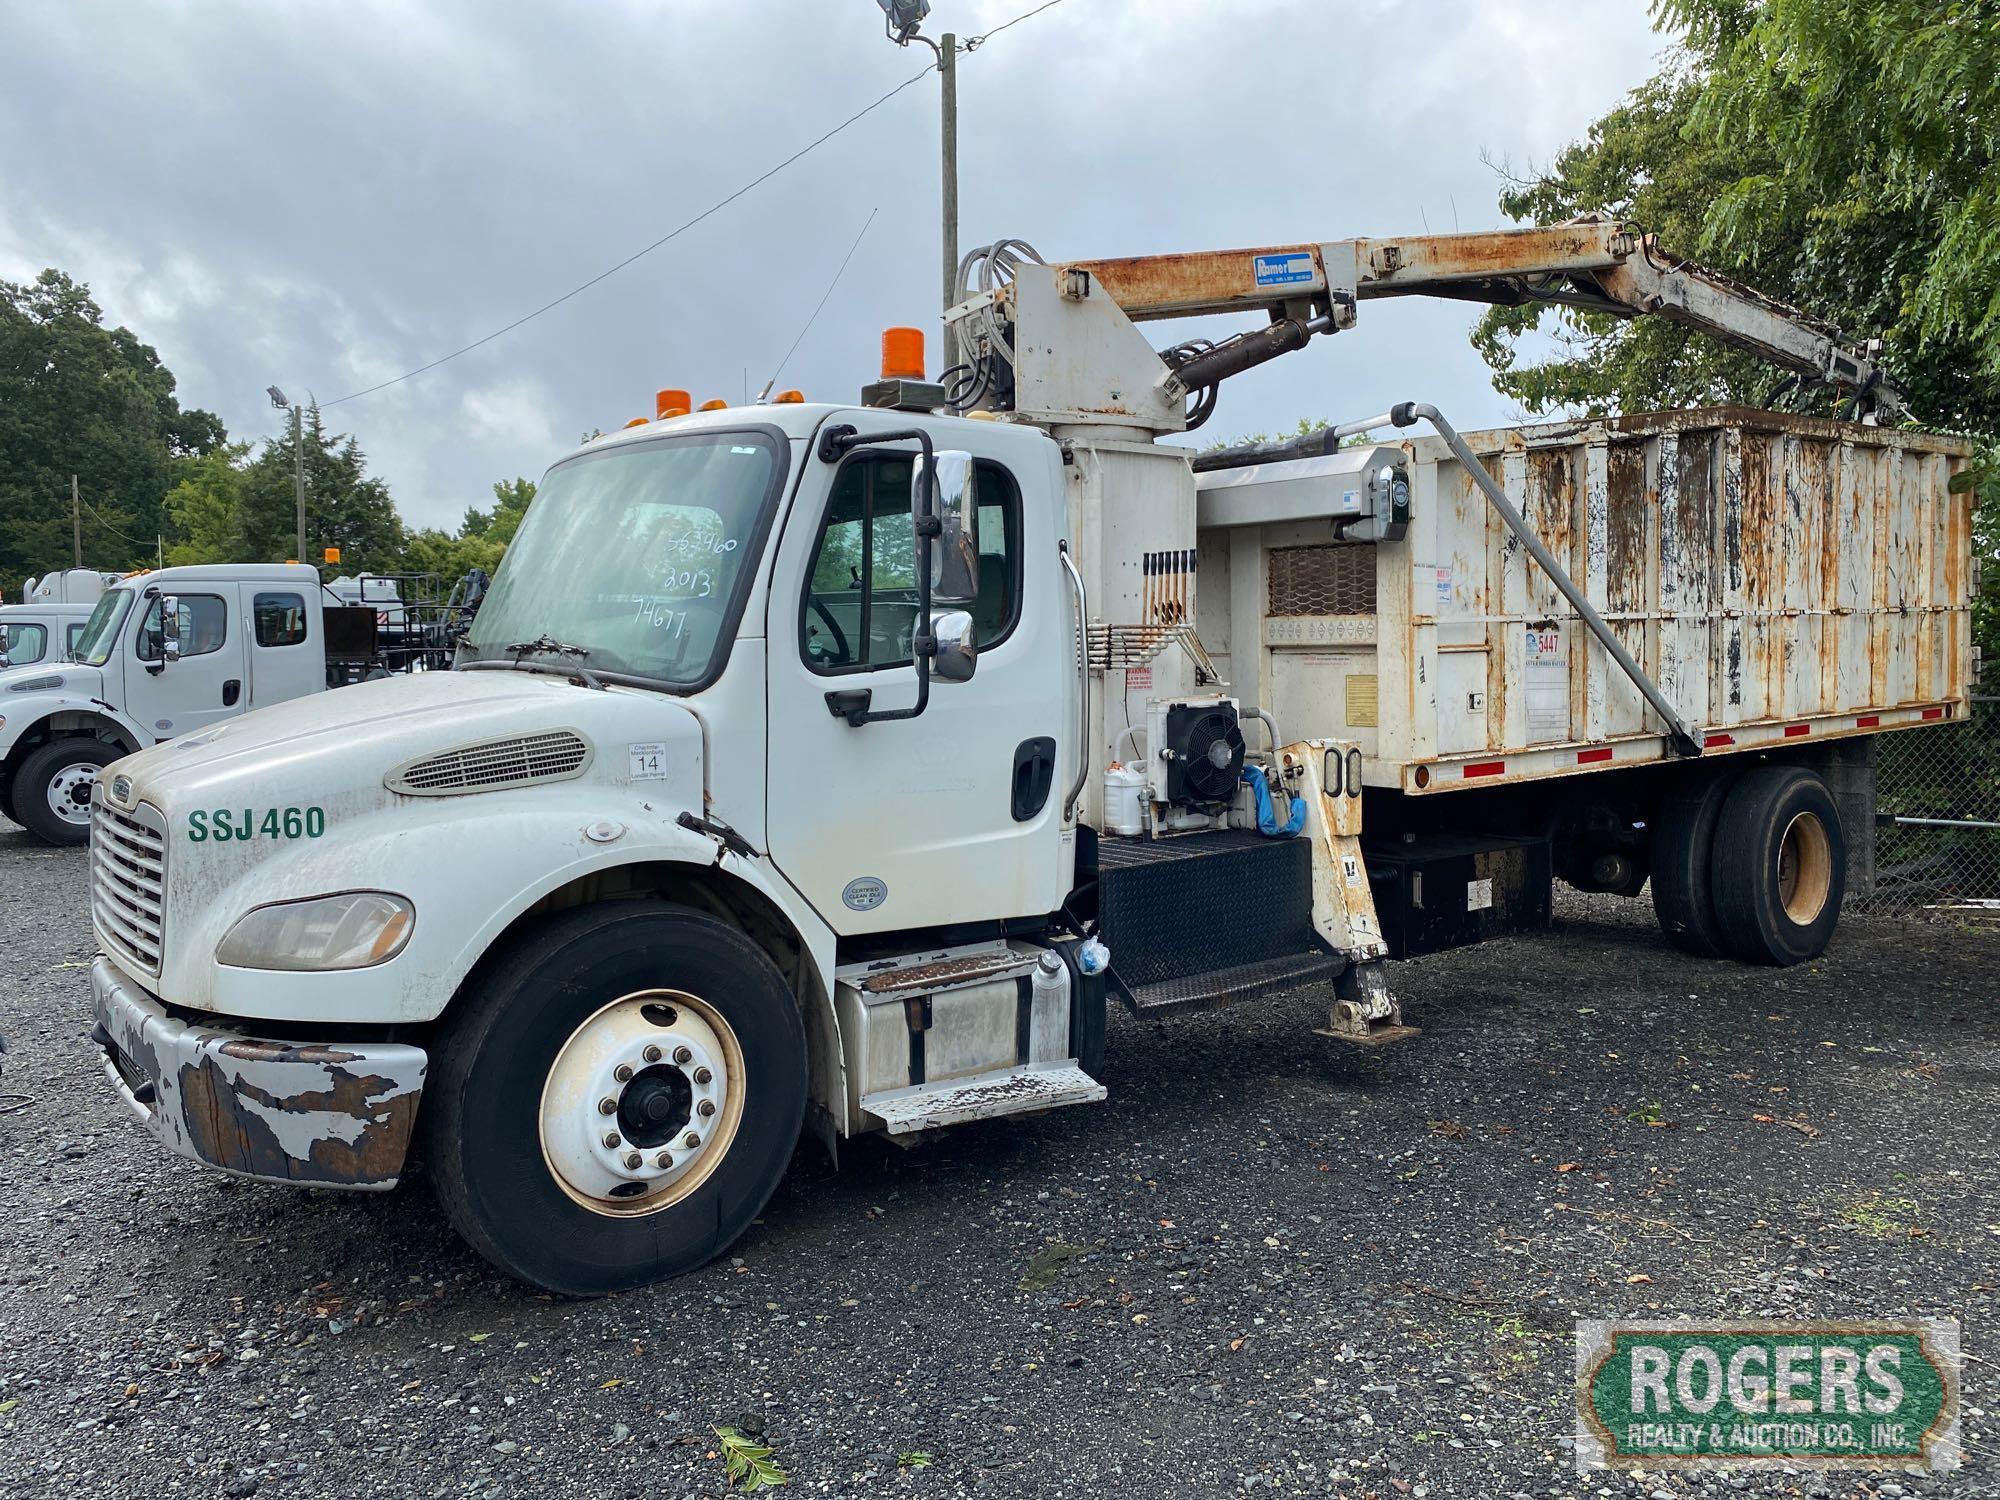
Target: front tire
1780	867
52	787
674	1019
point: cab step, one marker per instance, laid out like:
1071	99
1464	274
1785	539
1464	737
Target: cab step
1008	1091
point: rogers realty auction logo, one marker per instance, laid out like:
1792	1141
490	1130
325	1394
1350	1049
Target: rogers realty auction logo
1829	1395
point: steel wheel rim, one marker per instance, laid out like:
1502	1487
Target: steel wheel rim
69	793
610	1058
1805	868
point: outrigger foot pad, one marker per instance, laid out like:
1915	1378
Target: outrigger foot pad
1364	1012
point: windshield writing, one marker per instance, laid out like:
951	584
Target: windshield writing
634	556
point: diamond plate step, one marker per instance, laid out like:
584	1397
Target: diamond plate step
1238	982
1011	1091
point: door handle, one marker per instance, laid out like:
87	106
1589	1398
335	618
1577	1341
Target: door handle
1034	774
231	691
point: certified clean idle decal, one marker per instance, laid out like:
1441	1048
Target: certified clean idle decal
864	893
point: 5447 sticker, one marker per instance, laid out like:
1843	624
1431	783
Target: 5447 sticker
223	825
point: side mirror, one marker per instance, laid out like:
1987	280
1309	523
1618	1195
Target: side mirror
952	549
4	647
955	655
170	627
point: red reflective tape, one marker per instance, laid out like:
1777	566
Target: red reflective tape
1592	757
1933	713
1793	731
1868	721
1486	768
1717	739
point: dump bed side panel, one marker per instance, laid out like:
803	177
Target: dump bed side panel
1779	577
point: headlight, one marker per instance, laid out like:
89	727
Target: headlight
353	930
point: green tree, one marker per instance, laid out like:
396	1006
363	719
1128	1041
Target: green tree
1843	155
205	509
481	538
79	398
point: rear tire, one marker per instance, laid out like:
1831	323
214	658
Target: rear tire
660	1010
1683	850
51	789
1780	867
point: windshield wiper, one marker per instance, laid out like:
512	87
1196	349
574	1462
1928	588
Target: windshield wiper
546	645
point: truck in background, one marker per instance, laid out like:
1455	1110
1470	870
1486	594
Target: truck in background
46	623
827	766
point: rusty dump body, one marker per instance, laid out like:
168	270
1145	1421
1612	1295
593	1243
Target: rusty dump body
1780	578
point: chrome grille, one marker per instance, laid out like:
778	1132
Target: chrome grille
128	882
516	761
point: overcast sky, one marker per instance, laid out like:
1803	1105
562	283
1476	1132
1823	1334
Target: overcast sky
324	195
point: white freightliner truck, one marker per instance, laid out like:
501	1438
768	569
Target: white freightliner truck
805	763
160	656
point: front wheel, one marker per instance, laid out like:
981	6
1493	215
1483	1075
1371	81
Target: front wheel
615	1097
51	788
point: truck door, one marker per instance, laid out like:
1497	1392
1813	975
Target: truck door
956	815
208	682
286	661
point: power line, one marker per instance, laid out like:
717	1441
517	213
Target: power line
106	524
971	44
822	301
675	233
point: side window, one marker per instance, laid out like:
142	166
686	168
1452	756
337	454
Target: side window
75	635
203	625
860	606
280	619
26	644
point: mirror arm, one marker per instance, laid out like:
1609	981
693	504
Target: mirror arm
835	442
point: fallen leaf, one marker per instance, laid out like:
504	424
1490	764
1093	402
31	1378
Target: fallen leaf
409	1387
1566	1166
613	1381
1765	1119
1638	1278
477	1338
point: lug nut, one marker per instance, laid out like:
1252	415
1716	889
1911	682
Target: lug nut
706	1107
691	1139
634	1160
653	1054
623	1072
702	1075
683	1055
664	1160
611	1142
607	1106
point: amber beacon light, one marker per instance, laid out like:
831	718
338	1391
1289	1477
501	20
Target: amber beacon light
902	354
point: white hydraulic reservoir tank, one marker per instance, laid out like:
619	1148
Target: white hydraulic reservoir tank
1125	800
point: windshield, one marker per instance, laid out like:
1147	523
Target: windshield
638	557
100	631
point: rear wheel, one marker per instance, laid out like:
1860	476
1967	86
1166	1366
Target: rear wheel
51	788
616	1098
1780	866
1683	850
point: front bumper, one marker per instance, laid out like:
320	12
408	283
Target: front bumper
315	1114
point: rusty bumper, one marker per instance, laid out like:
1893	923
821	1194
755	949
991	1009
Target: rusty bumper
315	1114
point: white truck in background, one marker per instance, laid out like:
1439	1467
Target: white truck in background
826	765
46	623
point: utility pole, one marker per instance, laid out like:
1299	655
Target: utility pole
948	134
299	475
901	20
75	521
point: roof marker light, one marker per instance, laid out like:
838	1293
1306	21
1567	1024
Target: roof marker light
640	421
902	354
718	404
791	397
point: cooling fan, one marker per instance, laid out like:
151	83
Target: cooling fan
1204	754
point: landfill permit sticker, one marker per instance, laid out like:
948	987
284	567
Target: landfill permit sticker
649	761
1289	269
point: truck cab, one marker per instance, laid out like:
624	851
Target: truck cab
158	656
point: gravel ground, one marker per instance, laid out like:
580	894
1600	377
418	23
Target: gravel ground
1270	1262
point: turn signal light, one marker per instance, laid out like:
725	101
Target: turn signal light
672	403
902	354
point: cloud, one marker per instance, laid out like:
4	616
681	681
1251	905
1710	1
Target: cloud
325	197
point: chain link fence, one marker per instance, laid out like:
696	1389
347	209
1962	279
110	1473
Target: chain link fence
1937	839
